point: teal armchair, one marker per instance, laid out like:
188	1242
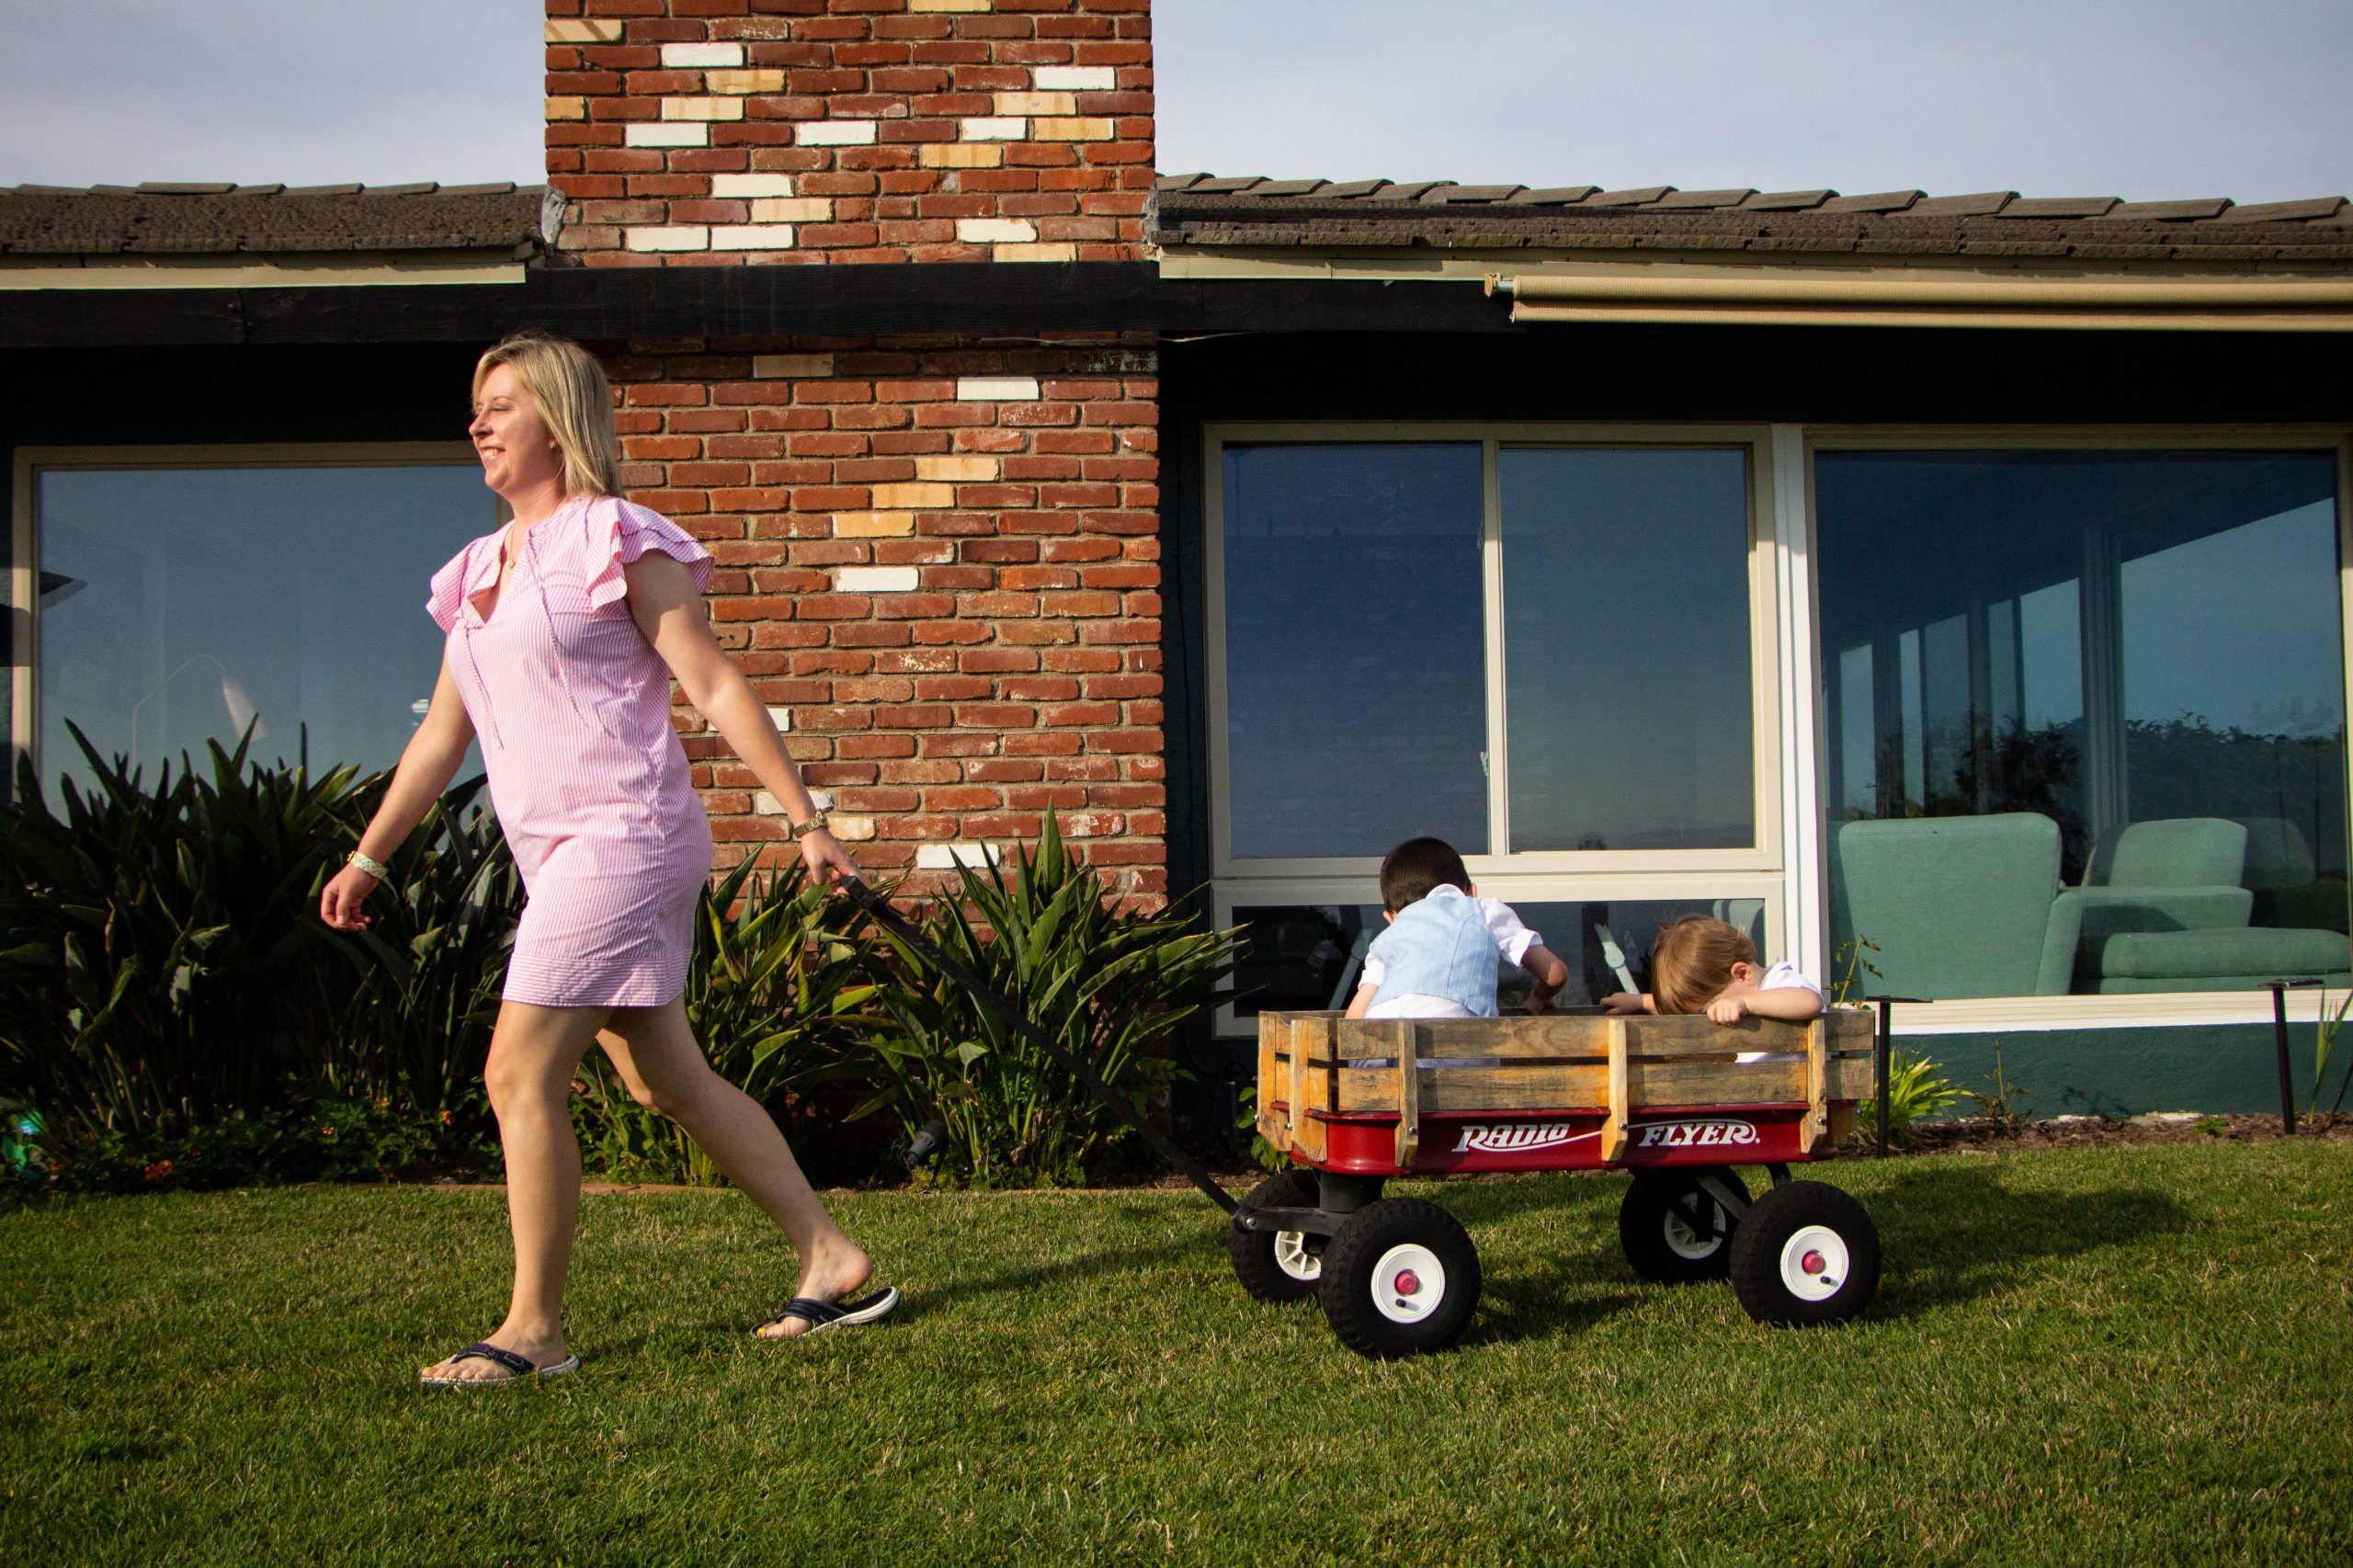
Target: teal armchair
1958	906
2175	874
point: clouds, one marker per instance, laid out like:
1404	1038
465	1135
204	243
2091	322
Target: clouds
2139	99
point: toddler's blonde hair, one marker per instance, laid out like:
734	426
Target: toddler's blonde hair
1692	961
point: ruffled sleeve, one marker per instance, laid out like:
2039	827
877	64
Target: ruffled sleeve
449	592
618	532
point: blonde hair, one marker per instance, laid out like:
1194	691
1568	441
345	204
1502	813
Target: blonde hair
1692	961
575	401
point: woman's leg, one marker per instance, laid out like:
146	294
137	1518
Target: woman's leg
534	1052
654	1051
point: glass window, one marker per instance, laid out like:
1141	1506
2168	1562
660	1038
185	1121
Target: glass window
1627	682
2145	647
182	605
1355	649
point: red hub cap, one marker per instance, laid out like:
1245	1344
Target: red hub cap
1409	1283
1812	1263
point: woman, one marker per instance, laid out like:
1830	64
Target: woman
563	631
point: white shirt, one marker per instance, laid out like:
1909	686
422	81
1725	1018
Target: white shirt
1512	940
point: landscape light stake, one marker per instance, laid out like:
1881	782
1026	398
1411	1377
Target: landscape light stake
2280	989
1882	1063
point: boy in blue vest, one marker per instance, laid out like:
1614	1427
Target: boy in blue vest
1438	958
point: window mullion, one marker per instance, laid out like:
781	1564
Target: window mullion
1491	548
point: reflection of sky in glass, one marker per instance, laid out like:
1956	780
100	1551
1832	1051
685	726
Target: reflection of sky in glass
1355	648
1626	648
2240	627
212	598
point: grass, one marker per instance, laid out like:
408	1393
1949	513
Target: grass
2117	1355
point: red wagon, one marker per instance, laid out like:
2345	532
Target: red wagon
1680	1102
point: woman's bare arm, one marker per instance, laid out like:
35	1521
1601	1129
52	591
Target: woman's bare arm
427	763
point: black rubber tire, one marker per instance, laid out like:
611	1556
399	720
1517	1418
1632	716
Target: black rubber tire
1254	1252
1667	1213
1767	1237
1354	1268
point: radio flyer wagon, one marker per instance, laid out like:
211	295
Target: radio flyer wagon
1678	1102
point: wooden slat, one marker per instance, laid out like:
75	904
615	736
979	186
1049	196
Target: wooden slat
1588	1035
1409	1095
1816	1126
1618	1090
1587	1085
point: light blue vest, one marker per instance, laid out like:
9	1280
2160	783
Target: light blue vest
1439	947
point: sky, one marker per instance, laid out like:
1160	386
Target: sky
2144	100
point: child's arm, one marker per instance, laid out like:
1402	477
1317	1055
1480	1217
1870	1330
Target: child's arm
1790	1004
1360	1001
1545	968
1627	1001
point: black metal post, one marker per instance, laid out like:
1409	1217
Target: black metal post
2280	989
1883	1052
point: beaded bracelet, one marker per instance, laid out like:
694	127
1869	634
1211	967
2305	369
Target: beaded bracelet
375	869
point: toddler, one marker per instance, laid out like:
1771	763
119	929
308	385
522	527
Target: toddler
1438	958
1699	965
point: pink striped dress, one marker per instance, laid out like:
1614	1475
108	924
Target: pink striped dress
572	706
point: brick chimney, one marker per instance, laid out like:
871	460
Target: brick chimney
718	132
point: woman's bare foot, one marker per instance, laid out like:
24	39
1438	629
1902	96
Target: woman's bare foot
836	1266
540	1349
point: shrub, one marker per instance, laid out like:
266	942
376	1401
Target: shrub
1100	978
773	992
1914	1091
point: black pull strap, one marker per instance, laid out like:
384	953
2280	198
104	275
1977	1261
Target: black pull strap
1116	1102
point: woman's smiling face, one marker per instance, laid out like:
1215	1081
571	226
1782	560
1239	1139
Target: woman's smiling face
518	453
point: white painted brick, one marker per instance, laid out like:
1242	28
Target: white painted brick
1034	103
767	805
660	133
751	236
995	231
835	133
576	30
703	56
782	719
852	830
702	108
679	237
792	210
1074	78
992	128
751	185
769	367
944	857
997	389
875	580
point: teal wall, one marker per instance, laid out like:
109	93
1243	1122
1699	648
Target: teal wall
2119	1071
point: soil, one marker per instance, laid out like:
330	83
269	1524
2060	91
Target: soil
1988	1134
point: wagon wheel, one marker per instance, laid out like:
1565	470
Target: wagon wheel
1278	1265
1676	1232
1401	1277
1805	1254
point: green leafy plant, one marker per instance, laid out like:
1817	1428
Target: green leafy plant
1099	977
2323	1041
2001	1101
774	993
1914	1091
1848	966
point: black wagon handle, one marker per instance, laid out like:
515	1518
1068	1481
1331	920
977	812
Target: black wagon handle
880	912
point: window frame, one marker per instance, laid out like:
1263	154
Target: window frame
1759	869
24	543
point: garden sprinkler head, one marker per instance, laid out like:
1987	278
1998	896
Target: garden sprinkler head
927	1140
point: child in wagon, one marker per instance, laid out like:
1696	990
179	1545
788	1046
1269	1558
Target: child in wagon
1699	965
1438	958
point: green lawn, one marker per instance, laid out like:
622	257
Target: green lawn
2119	1355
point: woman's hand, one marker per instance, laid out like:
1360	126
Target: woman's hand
339	903
826	857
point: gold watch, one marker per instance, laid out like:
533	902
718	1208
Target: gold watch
817	820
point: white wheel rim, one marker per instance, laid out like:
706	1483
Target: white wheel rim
1686	1240
1814	1263
1293	1258
1409	1283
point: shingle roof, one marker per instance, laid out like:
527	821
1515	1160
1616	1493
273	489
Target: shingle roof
1200	210
183	220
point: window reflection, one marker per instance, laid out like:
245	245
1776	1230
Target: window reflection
2145	648
183	606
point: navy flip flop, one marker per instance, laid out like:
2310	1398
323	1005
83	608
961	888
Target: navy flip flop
822	1316
516	1366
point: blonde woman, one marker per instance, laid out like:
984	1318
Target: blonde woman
562	632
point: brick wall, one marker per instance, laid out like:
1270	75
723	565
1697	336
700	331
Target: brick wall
939	563
724	132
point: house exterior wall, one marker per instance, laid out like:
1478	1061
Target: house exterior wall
722	132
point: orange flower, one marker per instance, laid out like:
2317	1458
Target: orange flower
159	1170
